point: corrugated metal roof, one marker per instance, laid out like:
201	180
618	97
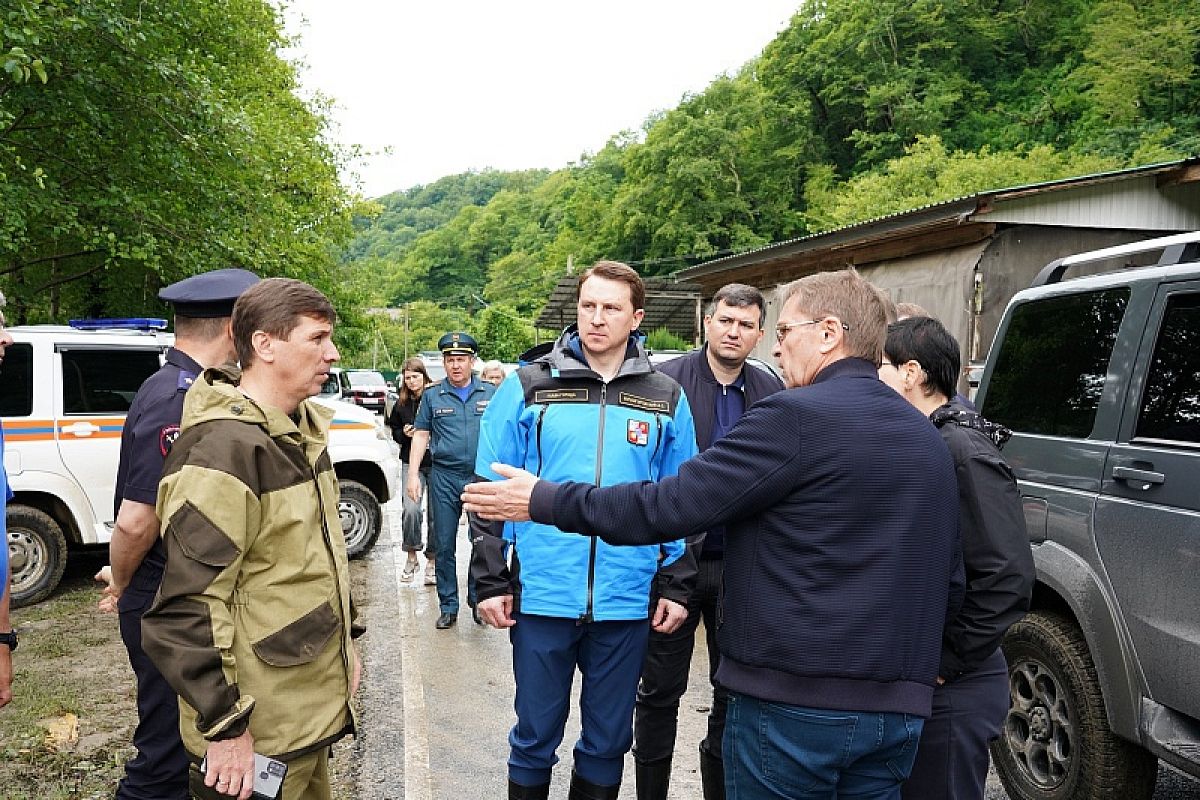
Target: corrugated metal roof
956	210
669	305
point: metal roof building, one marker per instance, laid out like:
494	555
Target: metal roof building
670	304
963	259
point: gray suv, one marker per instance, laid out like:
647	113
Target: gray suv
1098	376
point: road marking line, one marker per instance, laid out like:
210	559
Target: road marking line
417	784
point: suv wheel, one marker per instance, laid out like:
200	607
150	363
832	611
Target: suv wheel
1056	743
362	518
37	553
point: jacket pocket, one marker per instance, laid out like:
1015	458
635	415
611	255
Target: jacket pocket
197	549
301	641
200	539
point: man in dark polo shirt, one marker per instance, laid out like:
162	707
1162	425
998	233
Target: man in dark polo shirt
719	387
203	305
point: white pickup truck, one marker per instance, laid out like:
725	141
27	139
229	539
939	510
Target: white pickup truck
64	393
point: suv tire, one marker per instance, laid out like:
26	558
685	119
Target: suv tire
361	516
1056	743
37	553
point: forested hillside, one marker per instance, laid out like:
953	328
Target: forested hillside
857	109
137	148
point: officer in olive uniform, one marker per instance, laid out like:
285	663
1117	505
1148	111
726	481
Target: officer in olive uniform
448	424
203	305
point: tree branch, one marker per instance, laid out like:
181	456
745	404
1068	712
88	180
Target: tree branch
68	279
43	259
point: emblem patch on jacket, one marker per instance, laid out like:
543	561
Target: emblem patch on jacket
481	406
166	438
638	432
443	411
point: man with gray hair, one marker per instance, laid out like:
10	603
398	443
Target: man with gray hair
841	554
719	388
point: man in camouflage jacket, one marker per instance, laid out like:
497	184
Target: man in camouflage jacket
252	624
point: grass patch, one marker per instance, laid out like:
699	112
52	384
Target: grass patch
71	660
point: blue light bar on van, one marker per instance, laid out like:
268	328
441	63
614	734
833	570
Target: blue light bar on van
119	323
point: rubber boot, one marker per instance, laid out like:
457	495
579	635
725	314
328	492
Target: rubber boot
712	775
653	778
582	789
518	792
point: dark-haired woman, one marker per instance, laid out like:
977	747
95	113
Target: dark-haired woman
921	362
414	379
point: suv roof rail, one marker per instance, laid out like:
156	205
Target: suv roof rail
1176	249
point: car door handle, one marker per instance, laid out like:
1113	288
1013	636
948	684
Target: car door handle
81	428
1144	477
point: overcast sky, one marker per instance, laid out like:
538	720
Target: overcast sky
511	84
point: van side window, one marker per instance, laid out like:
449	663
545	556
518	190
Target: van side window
16	381
1170	408
104	381
1073	333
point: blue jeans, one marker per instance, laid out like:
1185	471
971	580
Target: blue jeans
412	513
778	751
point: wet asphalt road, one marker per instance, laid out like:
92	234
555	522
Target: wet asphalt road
437	705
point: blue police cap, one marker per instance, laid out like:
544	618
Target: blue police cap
458	343
209	294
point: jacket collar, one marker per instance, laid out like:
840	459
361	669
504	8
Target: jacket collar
565	357
445	387
849	367
706	372
215	395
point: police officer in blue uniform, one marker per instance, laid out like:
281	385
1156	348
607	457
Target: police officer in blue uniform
203	305
447	424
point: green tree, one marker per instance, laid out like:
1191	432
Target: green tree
138	148
928	173
502	333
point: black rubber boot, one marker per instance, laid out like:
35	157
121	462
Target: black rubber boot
586	790
712	775
653	778
518	792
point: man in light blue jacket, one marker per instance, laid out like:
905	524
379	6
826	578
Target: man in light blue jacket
589	407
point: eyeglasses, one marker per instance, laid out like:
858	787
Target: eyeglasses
781	330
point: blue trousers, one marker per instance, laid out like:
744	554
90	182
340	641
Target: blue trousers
781	752
968	712
159	771
445	496
546	651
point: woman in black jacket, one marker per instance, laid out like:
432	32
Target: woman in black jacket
414	379
921	362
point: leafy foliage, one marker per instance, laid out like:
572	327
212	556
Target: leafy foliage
137	148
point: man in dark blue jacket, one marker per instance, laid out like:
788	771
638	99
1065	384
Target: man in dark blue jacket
719	387
842	554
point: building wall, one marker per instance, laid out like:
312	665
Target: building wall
946	282
1016	254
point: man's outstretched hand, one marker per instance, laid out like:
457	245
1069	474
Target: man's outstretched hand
506	500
